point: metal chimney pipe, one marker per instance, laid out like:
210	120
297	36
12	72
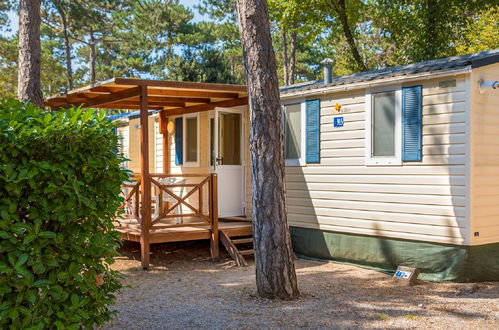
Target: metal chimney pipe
327	63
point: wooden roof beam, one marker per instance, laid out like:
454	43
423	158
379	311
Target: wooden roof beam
81	97
207	107
157	104
130	107
164	99
57	105
180	84
101	101
170	92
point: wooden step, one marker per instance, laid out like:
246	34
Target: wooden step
232	249
242	240
235	219
246	252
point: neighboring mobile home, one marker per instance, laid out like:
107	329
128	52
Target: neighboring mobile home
128	129
398	166
391	167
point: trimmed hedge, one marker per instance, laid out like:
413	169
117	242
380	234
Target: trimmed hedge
60	181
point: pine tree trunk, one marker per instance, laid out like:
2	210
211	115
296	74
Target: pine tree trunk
292	58
92	59
29	81
67	48
340	7
285	55
275	270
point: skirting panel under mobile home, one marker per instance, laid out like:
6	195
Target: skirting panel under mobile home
437	262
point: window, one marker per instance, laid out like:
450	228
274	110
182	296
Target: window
191	140
293	131
383	127
123	142
294	137
302	132
229	138
383	124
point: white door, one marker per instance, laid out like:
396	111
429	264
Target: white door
227	159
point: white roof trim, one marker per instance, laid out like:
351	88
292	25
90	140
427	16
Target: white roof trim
378	82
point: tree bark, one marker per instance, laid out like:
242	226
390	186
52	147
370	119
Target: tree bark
29	81
92	59
340	8
275	270
292	58
285	55
67	47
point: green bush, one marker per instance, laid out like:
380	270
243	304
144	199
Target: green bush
60	180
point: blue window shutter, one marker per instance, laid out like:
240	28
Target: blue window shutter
313	127
179	147
412	124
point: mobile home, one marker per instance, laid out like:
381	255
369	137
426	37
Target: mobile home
398	167
390	167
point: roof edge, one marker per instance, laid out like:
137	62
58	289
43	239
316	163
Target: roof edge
485	61
382	81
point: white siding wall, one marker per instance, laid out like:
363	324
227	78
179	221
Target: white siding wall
485	158
158	148
419	200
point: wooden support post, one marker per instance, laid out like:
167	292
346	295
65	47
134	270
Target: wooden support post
145	179
214	216
137	202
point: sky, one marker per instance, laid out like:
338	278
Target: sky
14	19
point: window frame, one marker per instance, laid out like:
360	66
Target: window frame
184	140
395	160
303	112
212	139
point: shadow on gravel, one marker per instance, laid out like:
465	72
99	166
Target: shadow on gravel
185	288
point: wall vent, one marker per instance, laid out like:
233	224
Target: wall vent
447	83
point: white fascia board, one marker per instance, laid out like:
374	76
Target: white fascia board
377	82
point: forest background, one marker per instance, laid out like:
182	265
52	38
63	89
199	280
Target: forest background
86	41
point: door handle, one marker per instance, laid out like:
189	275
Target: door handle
219	160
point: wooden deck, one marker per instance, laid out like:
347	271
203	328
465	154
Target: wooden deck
180	207
130	231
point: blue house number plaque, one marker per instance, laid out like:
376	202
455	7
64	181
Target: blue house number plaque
402	274
338	121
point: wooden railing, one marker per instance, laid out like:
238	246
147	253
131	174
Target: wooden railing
176	201
130	206
188	196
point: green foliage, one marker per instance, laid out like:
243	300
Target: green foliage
60	181
482	34
425	29
160	39
8	67
52	74
205	66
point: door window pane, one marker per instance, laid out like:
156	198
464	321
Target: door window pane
191	143
293	131
383	130
212	141
229	139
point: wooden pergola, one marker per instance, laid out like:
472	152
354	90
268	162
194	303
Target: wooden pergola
171	98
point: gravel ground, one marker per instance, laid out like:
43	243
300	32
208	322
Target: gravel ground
185	290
